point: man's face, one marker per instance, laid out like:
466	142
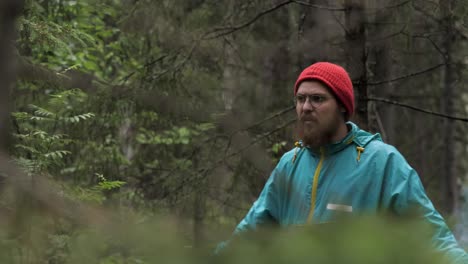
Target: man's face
319	114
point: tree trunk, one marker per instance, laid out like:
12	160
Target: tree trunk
382	118
9	10
355	53
199	207
229	81
449	188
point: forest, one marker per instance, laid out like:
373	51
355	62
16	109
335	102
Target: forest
141	131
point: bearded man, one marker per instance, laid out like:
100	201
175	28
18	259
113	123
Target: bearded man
338	169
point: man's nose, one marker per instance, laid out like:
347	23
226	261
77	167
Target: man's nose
307	106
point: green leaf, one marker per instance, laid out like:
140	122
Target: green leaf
21	115
57	154
110	185
205	126
27	148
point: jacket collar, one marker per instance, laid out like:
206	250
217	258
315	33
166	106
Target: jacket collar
355	136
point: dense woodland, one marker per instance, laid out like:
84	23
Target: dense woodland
136	117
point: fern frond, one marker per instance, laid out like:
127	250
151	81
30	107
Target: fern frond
41	134
64	98
28	165
76	119
27	148
58	36
42	112
39	118
21	136
57	136
21	115
58	154
110	185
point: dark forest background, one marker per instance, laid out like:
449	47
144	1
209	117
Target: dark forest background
181	109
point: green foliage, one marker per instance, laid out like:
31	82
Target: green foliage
278	146
147	127
39	149
135	238
54	36
368	240
177	135
106	185
74	135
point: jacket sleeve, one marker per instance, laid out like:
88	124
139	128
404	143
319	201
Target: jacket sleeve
262	212
264	209
408	193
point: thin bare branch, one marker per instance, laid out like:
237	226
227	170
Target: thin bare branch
442	53
406	76
220	32
427	37
374	10
427	15
340	23
396	5
328	8
279	113
204	172
401	31
178	66
260	137
382	100
223	31
124	79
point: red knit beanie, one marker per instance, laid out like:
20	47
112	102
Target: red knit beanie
335	77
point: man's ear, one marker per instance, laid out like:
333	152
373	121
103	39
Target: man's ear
342	109
344	113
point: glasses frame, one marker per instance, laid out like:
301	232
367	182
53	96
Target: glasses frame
316	100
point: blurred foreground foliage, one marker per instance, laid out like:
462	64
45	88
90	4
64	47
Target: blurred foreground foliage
130	237
361	240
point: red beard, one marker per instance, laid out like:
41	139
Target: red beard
314	133
310	134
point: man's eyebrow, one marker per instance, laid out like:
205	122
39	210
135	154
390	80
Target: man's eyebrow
316	93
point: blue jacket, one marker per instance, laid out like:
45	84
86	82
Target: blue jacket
360	174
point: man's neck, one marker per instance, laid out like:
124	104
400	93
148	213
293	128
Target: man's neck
341	133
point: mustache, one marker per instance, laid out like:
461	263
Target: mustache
306	117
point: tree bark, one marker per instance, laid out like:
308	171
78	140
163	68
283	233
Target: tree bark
383	118
199	208
449	188
9	11
355	53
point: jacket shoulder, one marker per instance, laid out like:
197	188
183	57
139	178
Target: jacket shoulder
381	147
290	154
388	156
286	160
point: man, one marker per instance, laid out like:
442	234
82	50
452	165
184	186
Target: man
338	168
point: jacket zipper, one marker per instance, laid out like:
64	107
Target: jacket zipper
315	184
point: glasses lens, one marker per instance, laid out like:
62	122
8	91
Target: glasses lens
315	100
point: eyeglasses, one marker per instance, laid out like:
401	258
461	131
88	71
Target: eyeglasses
314	99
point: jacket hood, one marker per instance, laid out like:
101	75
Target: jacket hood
361	137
